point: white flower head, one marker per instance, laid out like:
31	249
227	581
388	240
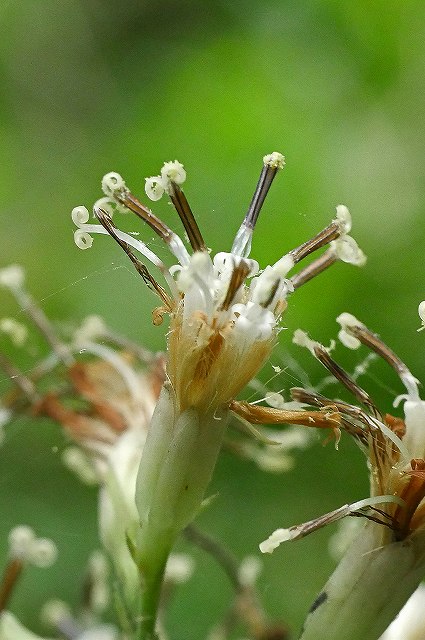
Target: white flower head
17	331
180	568
42	553
26	547
225	312
12	276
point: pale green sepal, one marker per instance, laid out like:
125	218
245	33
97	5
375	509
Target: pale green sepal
187	469
156	445
371	584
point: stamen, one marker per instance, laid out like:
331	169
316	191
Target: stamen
9	580
239	274
313	269
57	614
24	384
318	351
340	374
125	197
305	397
93	328
336	231
149	280
256	414
302	530
182	207
29	306
272	163
24	548
358	330
324	237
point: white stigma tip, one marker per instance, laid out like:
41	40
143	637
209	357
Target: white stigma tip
275	160
249	570
113	184
42	553
16	330
349	341
284	265
20	541
302	339
82	239
347	320
347	250
173	172
91	328
274	540
154	187
343	218
80	215
12	276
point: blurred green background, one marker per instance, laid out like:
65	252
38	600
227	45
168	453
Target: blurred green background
90	86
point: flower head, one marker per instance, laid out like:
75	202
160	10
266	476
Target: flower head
224	310
394	445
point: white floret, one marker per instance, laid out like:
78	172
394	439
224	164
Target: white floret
12	276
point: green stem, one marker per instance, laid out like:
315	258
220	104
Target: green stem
368	588
150	599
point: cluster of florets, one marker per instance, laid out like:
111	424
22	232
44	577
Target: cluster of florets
224	310
394	446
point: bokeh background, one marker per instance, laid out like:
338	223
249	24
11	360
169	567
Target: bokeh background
89	86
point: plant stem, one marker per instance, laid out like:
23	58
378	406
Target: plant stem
150	600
